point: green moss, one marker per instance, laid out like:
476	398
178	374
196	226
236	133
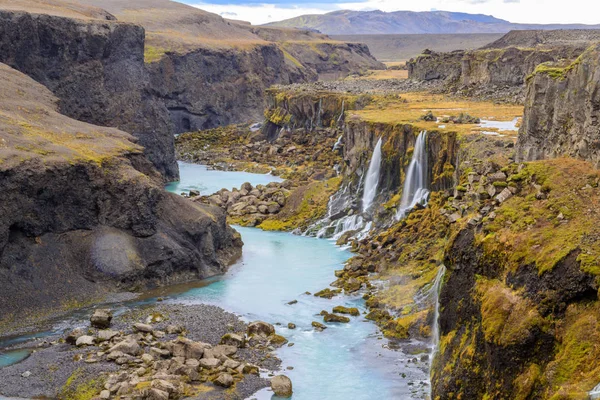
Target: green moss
524	223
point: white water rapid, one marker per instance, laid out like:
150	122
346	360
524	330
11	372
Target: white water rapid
372	178
415	185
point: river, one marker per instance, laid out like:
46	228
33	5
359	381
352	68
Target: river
345	361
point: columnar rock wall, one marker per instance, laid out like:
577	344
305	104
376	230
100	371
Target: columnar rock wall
562	109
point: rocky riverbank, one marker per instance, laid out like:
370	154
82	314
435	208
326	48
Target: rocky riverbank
157	352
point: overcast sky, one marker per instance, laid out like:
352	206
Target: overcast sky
532	11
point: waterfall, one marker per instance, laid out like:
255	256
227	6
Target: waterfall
415	185
372	178
343	110
338	143
435	328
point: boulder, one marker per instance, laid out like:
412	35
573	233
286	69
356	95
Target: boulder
282	386
127	346
346	310
157	394
105	335
163	385
260	328
232	339
74	335
145	328
328	317
219	351
85	340
224	380
101	318
210	363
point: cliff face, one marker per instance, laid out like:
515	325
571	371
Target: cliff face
207	88
97	71
83	212
498	72
433	65
562	108
519	303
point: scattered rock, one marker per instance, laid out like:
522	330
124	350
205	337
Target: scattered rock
282	386
139	327
232	339
106	335
260	328
101	318
85	340
224	380
318	326
291	325
345	310
328	317
127	346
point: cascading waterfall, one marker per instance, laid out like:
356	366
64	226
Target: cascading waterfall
415	185
372	178
435	292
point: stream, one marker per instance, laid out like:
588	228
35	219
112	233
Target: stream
345	361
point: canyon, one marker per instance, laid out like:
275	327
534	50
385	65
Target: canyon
460	206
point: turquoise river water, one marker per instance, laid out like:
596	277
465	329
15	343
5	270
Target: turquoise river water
346	361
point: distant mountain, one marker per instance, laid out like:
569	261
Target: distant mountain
409	22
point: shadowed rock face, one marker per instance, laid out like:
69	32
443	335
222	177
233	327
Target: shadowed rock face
562	109
83	212
97	70
207	88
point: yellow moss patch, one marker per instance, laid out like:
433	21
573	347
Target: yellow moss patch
506	317
575	369
75	390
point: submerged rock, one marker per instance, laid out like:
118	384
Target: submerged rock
327	317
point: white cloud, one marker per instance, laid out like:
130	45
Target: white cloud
261	14
524	11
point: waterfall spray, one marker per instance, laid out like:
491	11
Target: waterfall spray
372	178
415	185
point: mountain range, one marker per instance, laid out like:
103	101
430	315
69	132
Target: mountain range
347	22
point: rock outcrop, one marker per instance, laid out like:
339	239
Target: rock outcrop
562	109
84	213
96	69
499	71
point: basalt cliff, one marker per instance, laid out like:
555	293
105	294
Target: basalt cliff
84	213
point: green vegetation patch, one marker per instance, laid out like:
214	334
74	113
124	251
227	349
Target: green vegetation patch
555	212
